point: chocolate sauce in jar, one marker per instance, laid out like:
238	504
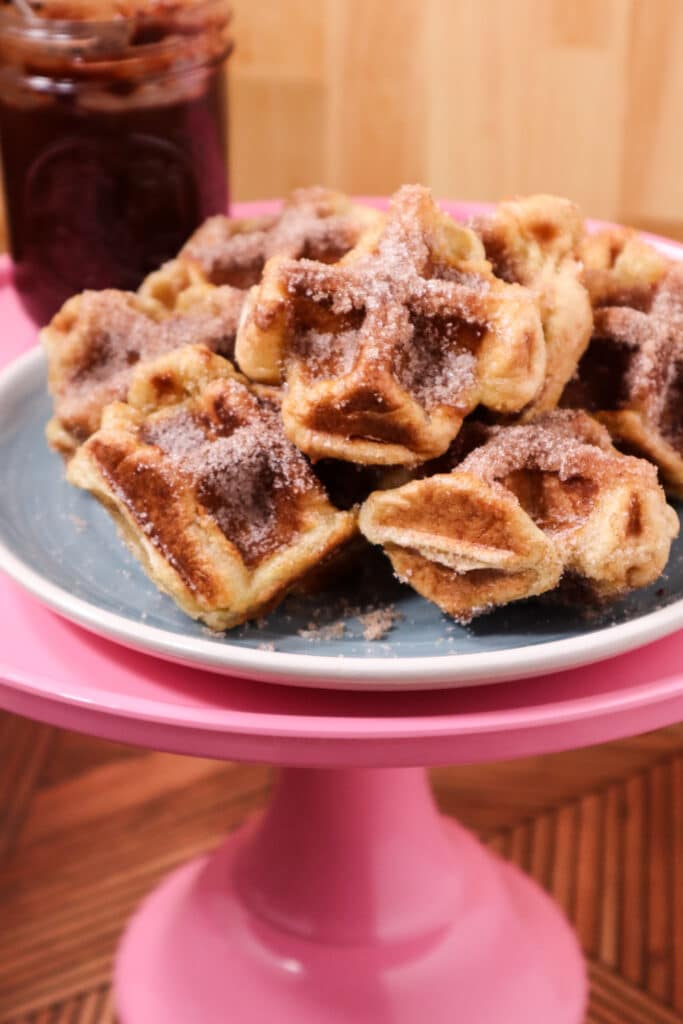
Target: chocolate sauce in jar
113	142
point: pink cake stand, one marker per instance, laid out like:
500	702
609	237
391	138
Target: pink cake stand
349	901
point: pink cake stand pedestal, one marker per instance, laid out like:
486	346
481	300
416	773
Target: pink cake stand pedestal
350	899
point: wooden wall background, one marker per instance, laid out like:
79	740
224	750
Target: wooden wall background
477	98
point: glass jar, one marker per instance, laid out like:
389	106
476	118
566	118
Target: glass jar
114	139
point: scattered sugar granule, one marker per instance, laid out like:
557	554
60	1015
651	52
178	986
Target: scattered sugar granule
376	624
333	631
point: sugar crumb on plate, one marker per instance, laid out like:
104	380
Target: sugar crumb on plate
330	631
378	622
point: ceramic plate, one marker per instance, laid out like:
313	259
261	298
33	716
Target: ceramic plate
60	544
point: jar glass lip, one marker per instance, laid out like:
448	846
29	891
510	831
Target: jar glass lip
144	25
157	37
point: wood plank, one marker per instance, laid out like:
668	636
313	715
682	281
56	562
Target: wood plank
72	754
520	846
497	129
653	87
375	72
632	953
499	843
677	881
563	881
492	796
659	850
586	914
627	1004
24	748
67	894
283	40
127	783
275	122
542	846
611	905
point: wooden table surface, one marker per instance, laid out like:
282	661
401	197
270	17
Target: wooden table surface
88	827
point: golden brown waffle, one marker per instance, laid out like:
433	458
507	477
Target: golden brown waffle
96	338
176	287
535	242
620	268
532	504
95	341
385	353
315	223
631	377
223	512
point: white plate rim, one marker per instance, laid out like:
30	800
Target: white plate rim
333	671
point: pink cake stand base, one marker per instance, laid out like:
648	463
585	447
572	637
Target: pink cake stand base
350	900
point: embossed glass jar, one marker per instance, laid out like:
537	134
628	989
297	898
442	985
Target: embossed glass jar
113	137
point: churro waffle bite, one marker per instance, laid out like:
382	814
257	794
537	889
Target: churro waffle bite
315	223
385	353
535	505
224	513
177	286
97	339
621	268
631	377
535	242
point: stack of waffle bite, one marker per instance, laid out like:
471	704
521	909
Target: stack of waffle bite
491	404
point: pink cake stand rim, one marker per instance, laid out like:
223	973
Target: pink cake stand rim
339	726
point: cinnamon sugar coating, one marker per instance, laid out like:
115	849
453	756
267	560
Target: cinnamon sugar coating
94	341
535	241
97	339
631	377
385	353
315	223
223	512
535	503
382	348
